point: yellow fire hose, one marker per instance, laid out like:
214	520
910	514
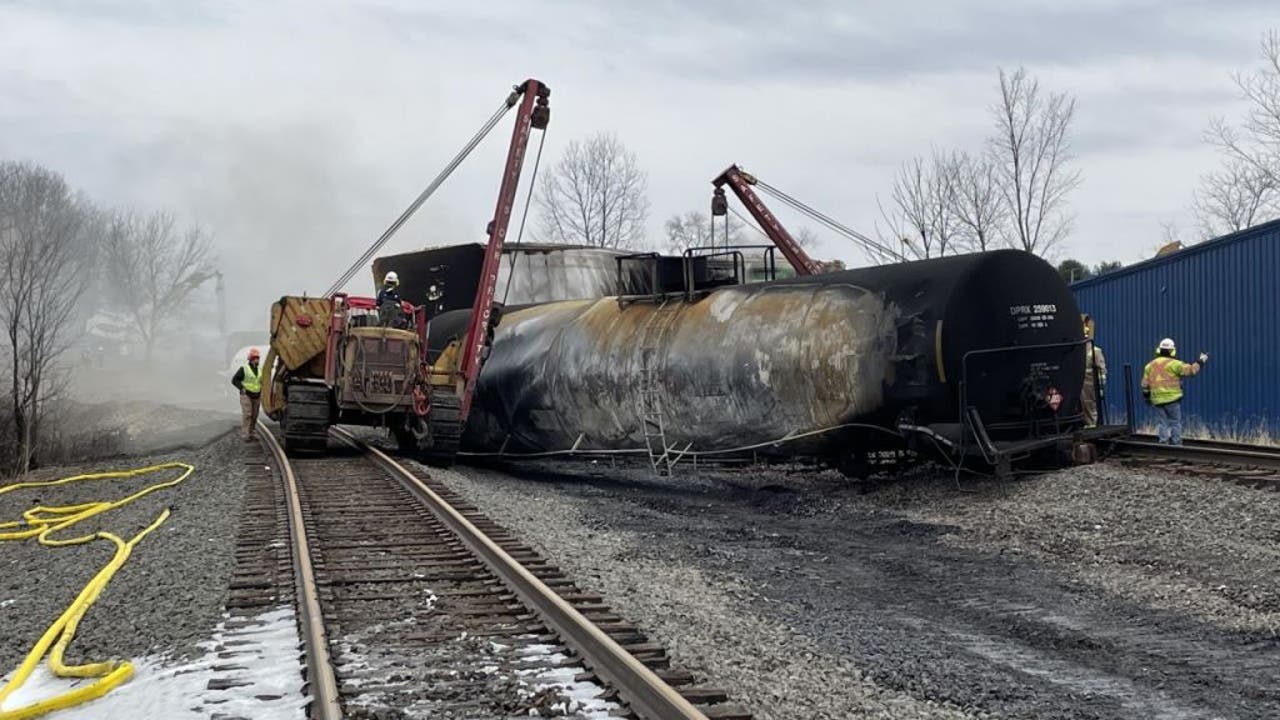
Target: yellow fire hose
41	523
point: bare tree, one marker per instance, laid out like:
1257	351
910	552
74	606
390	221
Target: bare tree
894	240
1170	233
41	238
156	268
922	212
1031	151
979	208
908	215
943	201
1256	142
1233	198
806	237
595	196
693	229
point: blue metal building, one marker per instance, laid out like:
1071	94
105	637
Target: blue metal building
1221	296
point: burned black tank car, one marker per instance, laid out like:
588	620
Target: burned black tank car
975	355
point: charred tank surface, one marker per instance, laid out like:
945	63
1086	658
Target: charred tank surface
829	363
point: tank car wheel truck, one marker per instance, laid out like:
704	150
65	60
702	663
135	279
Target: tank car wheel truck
334	361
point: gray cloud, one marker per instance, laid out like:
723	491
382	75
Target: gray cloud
833	41
313	122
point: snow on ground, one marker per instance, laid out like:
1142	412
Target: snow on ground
581	699
263	655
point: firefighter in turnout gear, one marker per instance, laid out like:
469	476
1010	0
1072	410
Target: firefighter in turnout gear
1162	389
248	380
1095	375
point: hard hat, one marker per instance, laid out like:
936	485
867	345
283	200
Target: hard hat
392	278
254	354
1167	344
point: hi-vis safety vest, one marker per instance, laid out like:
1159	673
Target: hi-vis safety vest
252	381
1163	376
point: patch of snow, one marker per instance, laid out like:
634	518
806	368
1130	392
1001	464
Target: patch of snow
179	691
582	699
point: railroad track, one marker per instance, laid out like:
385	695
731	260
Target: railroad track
410	600
1251	465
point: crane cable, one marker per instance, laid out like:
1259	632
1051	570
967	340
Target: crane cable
422	197
747	222
41	522
528	201
871	246
818	215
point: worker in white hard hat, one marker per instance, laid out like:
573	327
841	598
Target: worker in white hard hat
1162	389
390	291
389	310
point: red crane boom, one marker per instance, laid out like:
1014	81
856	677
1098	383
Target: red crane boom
534	113
740	182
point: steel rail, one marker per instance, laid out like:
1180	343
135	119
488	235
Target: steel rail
1200	442
643	691
1204	452
320	676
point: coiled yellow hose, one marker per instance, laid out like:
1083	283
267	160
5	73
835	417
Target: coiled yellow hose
41	523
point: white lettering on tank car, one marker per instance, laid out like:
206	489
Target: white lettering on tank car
1033	317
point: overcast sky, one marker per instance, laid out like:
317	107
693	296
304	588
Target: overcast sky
298	130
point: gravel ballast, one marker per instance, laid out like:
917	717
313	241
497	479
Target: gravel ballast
709	625
1186	544
805	597
170	593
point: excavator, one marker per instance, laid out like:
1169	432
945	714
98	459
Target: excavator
340	359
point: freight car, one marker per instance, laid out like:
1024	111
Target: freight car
977	356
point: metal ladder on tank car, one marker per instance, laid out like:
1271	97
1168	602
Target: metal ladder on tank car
661	459
651	416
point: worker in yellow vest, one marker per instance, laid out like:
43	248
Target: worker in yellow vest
1162	389
248	380
1095	375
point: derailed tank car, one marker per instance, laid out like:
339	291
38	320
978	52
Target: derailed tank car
972	355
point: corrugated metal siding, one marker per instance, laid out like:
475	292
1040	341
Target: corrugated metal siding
1222	297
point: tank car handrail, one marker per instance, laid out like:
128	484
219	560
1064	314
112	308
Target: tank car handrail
1007	348
970	416
653	269
690	283
770	262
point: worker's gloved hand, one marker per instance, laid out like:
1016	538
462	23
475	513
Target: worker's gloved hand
1204	358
